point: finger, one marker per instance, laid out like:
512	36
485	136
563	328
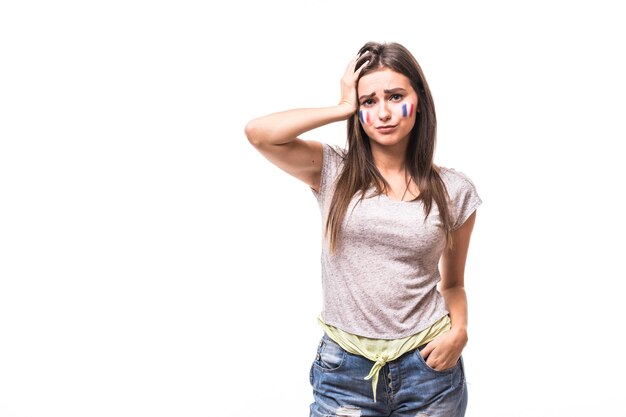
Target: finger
425	352
351	68
441	365
430	362
356	59
364	56
363	60
358	70
438	365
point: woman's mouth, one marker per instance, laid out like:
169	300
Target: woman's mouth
386	129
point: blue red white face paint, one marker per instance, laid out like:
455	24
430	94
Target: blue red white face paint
407	110
365	116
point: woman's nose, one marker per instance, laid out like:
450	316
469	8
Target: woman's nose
383	112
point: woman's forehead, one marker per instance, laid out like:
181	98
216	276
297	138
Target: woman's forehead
383	79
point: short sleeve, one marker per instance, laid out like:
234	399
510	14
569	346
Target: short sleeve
464	198
332	161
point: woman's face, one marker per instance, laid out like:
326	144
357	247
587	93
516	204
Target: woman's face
387	106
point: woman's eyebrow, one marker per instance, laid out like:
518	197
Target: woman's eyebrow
391	91
395	90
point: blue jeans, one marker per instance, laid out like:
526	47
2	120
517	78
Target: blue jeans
407	386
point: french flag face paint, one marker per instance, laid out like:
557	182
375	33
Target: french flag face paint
365	116
407	110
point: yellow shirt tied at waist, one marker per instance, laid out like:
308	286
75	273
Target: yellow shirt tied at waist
381	351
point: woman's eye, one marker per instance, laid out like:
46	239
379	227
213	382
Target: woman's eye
367	102
395	97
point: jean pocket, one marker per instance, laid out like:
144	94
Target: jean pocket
330	356
422	362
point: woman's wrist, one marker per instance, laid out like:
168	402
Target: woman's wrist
346	109
460	333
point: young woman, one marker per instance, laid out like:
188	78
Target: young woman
397	230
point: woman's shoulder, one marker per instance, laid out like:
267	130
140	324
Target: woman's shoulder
463	195
334	157
335	150
455	178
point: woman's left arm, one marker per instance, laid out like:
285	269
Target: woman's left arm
445	351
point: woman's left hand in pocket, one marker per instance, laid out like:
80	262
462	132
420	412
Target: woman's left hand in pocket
445	350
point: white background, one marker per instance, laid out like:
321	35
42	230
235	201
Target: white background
153	264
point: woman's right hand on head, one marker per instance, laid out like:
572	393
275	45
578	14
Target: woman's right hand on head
348	84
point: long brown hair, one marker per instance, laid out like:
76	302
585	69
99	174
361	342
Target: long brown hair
359	171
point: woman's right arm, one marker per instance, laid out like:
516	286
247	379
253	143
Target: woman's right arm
275	136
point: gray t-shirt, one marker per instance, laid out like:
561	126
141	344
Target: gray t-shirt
381	282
